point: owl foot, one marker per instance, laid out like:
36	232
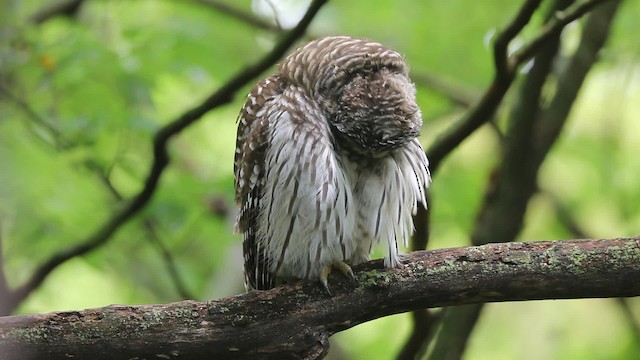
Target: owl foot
339	265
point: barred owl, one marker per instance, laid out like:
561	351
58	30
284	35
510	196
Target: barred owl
327	163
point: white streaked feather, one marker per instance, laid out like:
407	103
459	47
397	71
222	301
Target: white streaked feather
319	213
403	177
290	210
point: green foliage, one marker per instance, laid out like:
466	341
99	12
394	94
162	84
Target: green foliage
89	92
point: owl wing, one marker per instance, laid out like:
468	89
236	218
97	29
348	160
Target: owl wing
306	216
251	144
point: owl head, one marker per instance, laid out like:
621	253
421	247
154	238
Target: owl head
363	89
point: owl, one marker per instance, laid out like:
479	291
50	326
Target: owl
327	163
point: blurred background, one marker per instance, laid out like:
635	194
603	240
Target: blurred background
83	92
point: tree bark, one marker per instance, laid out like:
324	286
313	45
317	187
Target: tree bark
296	320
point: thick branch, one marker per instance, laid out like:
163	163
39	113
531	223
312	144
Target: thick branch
296	320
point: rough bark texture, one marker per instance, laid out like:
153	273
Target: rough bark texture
296	320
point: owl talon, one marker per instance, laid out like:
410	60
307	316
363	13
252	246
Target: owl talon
345	269
324	278
339	265
325	284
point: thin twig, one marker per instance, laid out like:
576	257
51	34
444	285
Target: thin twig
152	236
565	217
59	141
240	15
168	259
634	324
458	94
161	156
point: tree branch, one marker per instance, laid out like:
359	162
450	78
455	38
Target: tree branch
296	320
57	140
555	27
506	68
634	325
63	7
485	108
516	175
240	15
161	158
60	142
564	216
533	129
167	258
425	323
457	93
481	113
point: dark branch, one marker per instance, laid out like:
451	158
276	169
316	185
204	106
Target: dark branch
456	328
424	326
555	27
161	157
533	128
483	111
458	94
240	15
296	320
60	142
565	217
169	261
58	8
630	318
506	68
478	115
57	138
515	179
571	76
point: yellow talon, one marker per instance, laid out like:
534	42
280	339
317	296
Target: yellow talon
339	265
